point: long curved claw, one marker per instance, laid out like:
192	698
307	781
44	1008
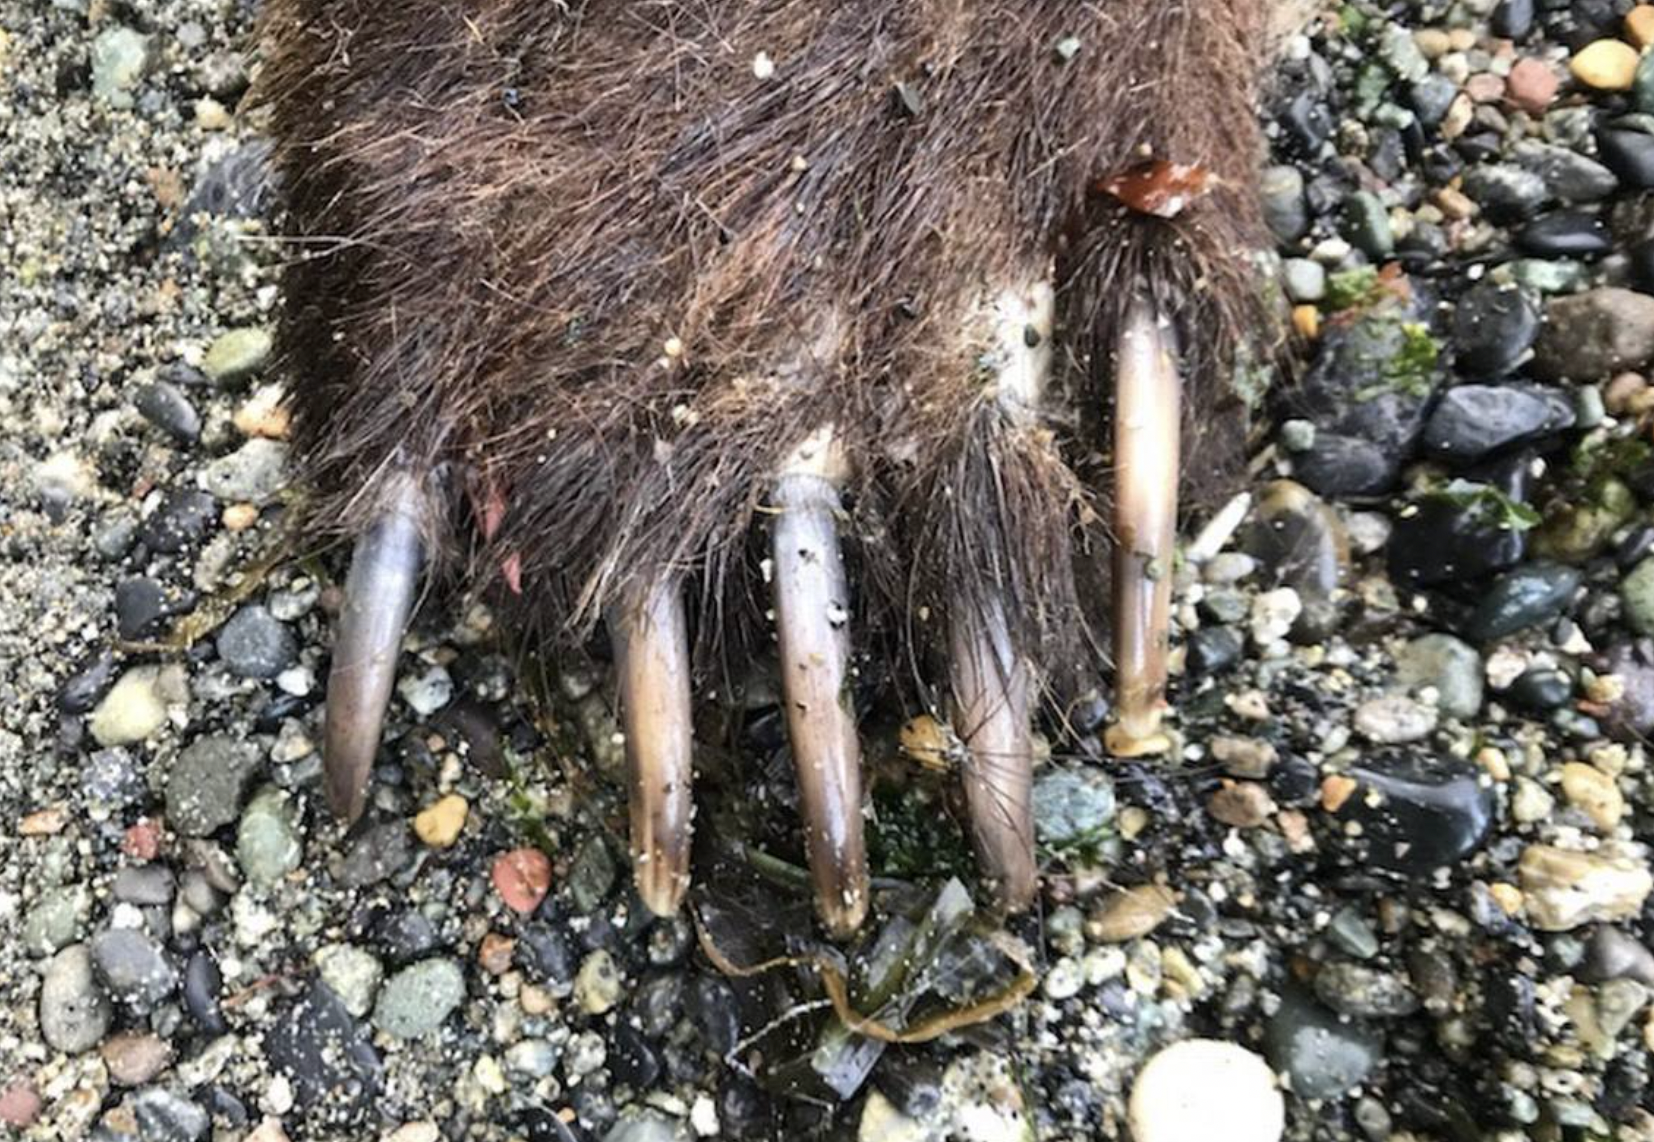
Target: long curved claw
379	597
1147	418
991	715
651	641
811	603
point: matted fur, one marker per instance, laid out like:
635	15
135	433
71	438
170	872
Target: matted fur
506	210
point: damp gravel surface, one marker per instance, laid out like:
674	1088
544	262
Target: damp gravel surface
1391	881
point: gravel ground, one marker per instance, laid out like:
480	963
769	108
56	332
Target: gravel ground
1400	857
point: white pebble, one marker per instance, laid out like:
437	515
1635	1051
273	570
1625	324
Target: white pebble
1201	1089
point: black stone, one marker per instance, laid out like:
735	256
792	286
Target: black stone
142	606
712	1008
165	406
1493	328
1629	154
256	644
84	690
1213	649
1542	689
1345	467
1417	813
1445	541
1524	597
327	1056
182	520
1471	421
407	936
1512	19
544	953
633	1061
1641	264
1295	780
202	980
1566	234
1307	122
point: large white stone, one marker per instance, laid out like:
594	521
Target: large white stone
1199	1090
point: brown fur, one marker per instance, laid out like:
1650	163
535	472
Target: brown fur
507	208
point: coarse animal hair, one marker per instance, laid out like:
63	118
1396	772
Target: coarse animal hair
611	260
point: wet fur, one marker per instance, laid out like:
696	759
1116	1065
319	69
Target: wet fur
504	210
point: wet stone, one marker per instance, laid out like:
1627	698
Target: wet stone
1542	690
134	1059
1614	954
1321	1054
1631	714
254	473
1493	328
416	1000
1282	194
591	875
1300	542
1353	388
268	842
1342	467
1354	989
238	354
167	1117
1417	813
112	780
353	973
56	918
183	519
1629	154
202	980
1512	19
1569	176
1431	97
149	884
1394	720
143	605
378	854
1595	334
133	967
1506	192
1449	667
544	953
1525	597
327	1056
1366	224
1637	595
1213	649
1565	234
81	692
1472	421
166	406
1072	807
1565	889
407	936
207	783
255	644
74	1013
